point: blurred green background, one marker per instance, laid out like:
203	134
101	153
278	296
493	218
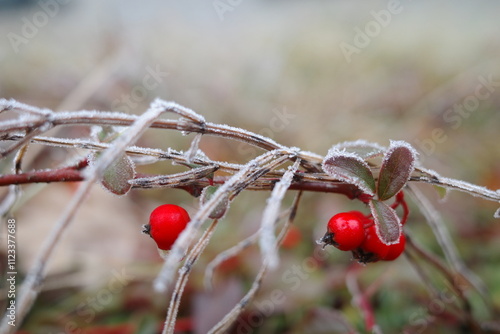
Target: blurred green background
308	74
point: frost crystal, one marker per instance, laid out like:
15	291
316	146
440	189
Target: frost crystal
362	148
396	169
349	167
497	213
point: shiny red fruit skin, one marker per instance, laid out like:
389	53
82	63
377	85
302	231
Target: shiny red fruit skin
166	223
346	230
395	250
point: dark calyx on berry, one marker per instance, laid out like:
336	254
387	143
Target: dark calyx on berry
328	240
365	257
146	229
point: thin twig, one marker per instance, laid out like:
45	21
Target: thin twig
321	185
444	239
239	247
228	320
64	174
174	180
183	277
236	183
33	281
270	216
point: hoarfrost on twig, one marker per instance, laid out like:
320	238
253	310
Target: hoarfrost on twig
268	242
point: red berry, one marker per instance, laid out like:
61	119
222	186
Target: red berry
345	230
359	214
372	249
166	222
395	250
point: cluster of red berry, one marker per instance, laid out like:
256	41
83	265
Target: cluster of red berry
348	231
353	231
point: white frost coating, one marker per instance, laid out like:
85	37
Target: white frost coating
149	151
472	189
430	173
36	273
342	174
144	160
124	168
193	149
68	115
360	143
227	129
178	109
267	241
23	122
30	118
95	130
120	144
392	181
401	143
311	154
497	213
173	179
18	106
7	104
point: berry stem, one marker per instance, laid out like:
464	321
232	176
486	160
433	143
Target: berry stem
400	200
64	174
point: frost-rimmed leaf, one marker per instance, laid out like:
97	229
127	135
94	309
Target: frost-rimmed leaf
350	168
362	148
220	209
387	223
116	176
396	169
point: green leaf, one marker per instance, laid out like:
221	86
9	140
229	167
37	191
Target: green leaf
387	223
116	176
396	169
350	168
441	191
